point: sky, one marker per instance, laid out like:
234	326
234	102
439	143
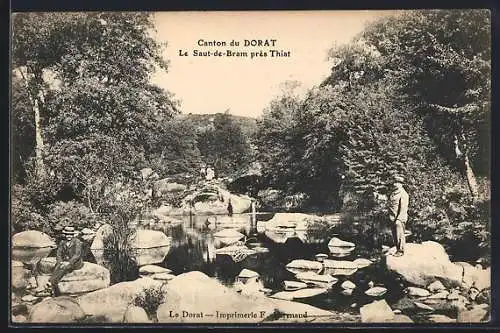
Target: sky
243	85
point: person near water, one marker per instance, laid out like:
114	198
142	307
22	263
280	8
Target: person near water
230	208
68	259
210	173
398	213
203	172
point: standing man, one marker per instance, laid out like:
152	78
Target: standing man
398	213
69	257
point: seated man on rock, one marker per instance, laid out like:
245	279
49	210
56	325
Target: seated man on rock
69	258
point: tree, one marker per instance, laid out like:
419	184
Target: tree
224	145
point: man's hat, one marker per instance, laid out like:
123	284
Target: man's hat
398	179
69	231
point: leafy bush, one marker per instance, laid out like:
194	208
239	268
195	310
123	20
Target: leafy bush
119	253
150	299
71	213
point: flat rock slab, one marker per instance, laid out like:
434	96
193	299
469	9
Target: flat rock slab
299	294
88	278
153	269
417	292
438	318
301	265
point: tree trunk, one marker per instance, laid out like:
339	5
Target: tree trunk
39	146
471	180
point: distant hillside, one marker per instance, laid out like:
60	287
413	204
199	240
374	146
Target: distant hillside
248	124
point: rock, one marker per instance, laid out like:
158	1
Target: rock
438	318
228	236
475	315
453	295
291	307
321	256
323	281
339	267
20	275
397	311
435	287
112	302
135	314
61	309
19	319
150	246
299	294
362	262
294	285
463	264
337	242
376	312
162	276
153	269
301	265
165	212
400	318
214	201
88	278
348	285
417	292
31	246
423	306
246	274
29	298
441	295
376	291
347	292
252	287
484	297
478	278
146	173
195	293
425	263
164	186
46	265
284	226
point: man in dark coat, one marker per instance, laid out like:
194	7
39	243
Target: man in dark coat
69	258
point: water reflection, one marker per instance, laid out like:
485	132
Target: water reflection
193	248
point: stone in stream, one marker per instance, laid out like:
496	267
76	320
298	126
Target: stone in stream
294	285
152	269
441	295
376	312
439	318
347	292
436	286
376	291
301	265
417	292
321	256
323	281
348	285
362	262
299	294
31	246
339	267
63	309
162	276
425	263
423	306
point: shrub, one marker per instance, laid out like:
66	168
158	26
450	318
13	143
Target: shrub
150	299
72	213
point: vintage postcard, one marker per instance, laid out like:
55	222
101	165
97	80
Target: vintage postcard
257	167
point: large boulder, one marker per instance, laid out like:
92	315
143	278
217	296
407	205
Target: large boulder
164	213
149	246
214	200
31	246
61	309
112	302
475	315
135	314
425	263
164	186
476	277
376	312
88	278
191	297
20	275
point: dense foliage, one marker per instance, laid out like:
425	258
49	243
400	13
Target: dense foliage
409	95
